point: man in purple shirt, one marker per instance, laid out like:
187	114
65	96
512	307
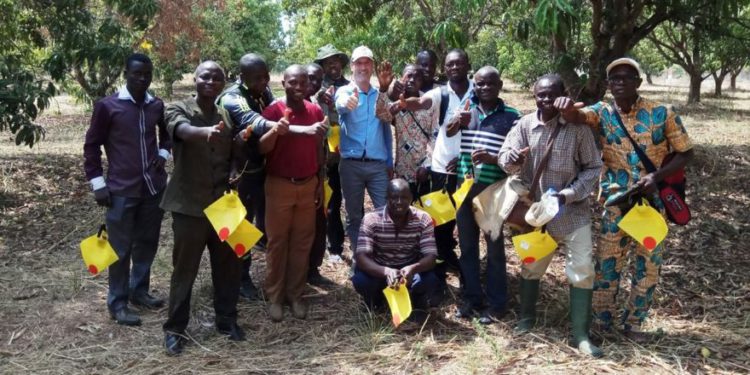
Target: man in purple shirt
126	124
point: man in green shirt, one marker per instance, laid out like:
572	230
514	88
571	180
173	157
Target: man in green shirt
203	151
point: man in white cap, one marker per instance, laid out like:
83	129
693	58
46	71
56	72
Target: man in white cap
366	141
659	132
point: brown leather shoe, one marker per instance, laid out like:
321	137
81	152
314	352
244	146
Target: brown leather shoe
276	311
299	309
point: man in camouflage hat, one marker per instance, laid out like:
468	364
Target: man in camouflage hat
333	62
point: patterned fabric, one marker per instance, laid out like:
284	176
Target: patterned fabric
486	131
415	140
656	128
612	255
391	247
658	131
573	167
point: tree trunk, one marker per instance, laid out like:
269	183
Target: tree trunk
733	81
649	79
718	81
694	95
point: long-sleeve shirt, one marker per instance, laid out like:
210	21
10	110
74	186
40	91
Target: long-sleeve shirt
363	134
572	169
201	169
128	132
241	110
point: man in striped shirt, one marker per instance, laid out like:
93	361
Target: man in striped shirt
482	130
395	244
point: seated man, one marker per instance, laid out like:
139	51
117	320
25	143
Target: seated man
394	244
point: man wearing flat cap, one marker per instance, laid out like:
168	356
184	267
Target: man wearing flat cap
333	62
658	131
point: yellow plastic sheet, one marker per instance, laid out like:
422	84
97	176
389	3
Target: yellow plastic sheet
334	138
399	303
438	205
225	214
645	225
533	246
462	191
97	253
244	238
327	193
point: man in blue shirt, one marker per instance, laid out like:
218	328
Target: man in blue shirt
366	142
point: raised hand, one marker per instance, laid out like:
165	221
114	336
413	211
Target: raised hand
353	100
385	75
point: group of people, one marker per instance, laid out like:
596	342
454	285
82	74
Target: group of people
276	152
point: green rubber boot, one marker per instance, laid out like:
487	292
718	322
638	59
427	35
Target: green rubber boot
529	292
580	319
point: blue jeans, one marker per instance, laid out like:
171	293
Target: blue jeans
133	226
468	238
371	288
356	176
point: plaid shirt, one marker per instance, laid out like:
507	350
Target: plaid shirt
572	169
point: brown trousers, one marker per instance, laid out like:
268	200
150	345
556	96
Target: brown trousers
290	227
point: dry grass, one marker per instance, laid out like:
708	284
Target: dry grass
53	316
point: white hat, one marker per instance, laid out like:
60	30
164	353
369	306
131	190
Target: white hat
361	51
625	61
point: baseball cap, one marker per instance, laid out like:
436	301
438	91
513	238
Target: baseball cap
625	61
360	52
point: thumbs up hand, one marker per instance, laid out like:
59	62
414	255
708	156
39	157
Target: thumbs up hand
212	132
353	100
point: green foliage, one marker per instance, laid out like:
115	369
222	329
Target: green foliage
243	26
24	93
91	39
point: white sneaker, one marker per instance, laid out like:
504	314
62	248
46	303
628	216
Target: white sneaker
335	259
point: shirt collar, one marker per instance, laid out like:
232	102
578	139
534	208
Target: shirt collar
469	91
538	120
124	94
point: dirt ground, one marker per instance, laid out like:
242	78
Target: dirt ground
53	316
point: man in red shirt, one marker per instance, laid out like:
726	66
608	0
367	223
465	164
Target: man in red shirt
293	190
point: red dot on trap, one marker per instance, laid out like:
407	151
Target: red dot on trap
649	242
93	270
239	249
396	320
224	233
529	260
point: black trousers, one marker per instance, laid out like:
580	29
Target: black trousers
253	197
191	236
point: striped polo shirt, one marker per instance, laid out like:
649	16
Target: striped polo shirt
486	131
396	248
